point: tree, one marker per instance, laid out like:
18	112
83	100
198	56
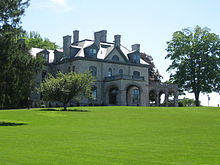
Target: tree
34	40
153	75
66	87
195	55
186	102
17	66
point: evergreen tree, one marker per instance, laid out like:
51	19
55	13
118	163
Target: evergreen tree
17	66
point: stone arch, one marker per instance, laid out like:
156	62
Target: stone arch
152	97
162	98
133	94
112	95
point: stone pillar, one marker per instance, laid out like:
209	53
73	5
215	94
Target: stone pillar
176	99
122	97
166	98
157	98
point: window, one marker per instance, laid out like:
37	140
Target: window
115	58
93	70
94	93
135	96
136	74
73	68
69	69
136	58
46	57
92	51
121	71
110	72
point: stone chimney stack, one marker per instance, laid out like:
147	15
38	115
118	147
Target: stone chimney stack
75	36
100	36
117	40
66	45
135	47
103	35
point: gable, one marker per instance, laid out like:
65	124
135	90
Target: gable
116	55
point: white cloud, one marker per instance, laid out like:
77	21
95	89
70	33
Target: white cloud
58	5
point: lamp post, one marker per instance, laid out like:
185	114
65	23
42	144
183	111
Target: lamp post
208	99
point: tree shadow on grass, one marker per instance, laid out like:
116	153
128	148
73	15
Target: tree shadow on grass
69	110
3	123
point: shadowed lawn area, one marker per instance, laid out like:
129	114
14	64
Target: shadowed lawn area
111	135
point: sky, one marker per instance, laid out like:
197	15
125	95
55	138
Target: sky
149	23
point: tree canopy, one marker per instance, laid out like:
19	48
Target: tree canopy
34	40
153	74
17	66
66	87
195	56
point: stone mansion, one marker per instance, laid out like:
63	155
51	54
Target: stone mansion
122	76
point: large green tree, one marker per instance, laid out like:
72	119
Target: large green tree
195	56
66	87
17	66
34	40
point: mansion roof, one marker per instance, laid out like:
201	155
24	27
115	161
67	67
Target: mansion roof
77	48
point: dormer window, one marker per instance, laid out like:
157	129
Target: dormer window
134	57
92	51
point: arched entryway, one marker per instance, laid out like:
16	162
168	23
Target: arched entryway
133	95
152	98
162	101
112	94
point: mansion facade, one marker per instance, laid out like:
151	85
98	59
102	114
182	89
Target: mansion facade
122	76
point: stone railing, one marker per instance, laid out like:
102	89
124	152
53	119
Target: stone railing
124	77
157	84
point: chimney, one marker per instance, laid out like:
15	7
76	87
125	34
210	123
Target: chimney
75	36
100	36
135	47
103	35
117	40
66	45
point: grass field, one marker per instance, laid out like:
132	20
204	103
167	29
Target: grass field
111	136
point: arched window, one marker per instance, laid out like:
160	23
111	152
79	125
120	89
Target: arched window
73	68
115	58
94	93
135	96
121	71
110	72
93	70
136	74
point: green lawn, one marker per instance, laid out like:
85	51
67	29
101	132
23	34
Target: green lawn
111	135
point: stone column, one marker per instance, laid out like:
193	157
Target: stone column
176	99
122	97
166	98
157	98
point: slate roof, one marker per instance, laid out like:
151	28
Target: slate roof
104	50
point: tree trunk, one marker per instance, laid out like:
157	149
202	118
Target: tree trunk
65	106
197	98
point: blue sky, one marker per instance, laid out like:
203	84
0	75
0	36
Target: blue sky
150	23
